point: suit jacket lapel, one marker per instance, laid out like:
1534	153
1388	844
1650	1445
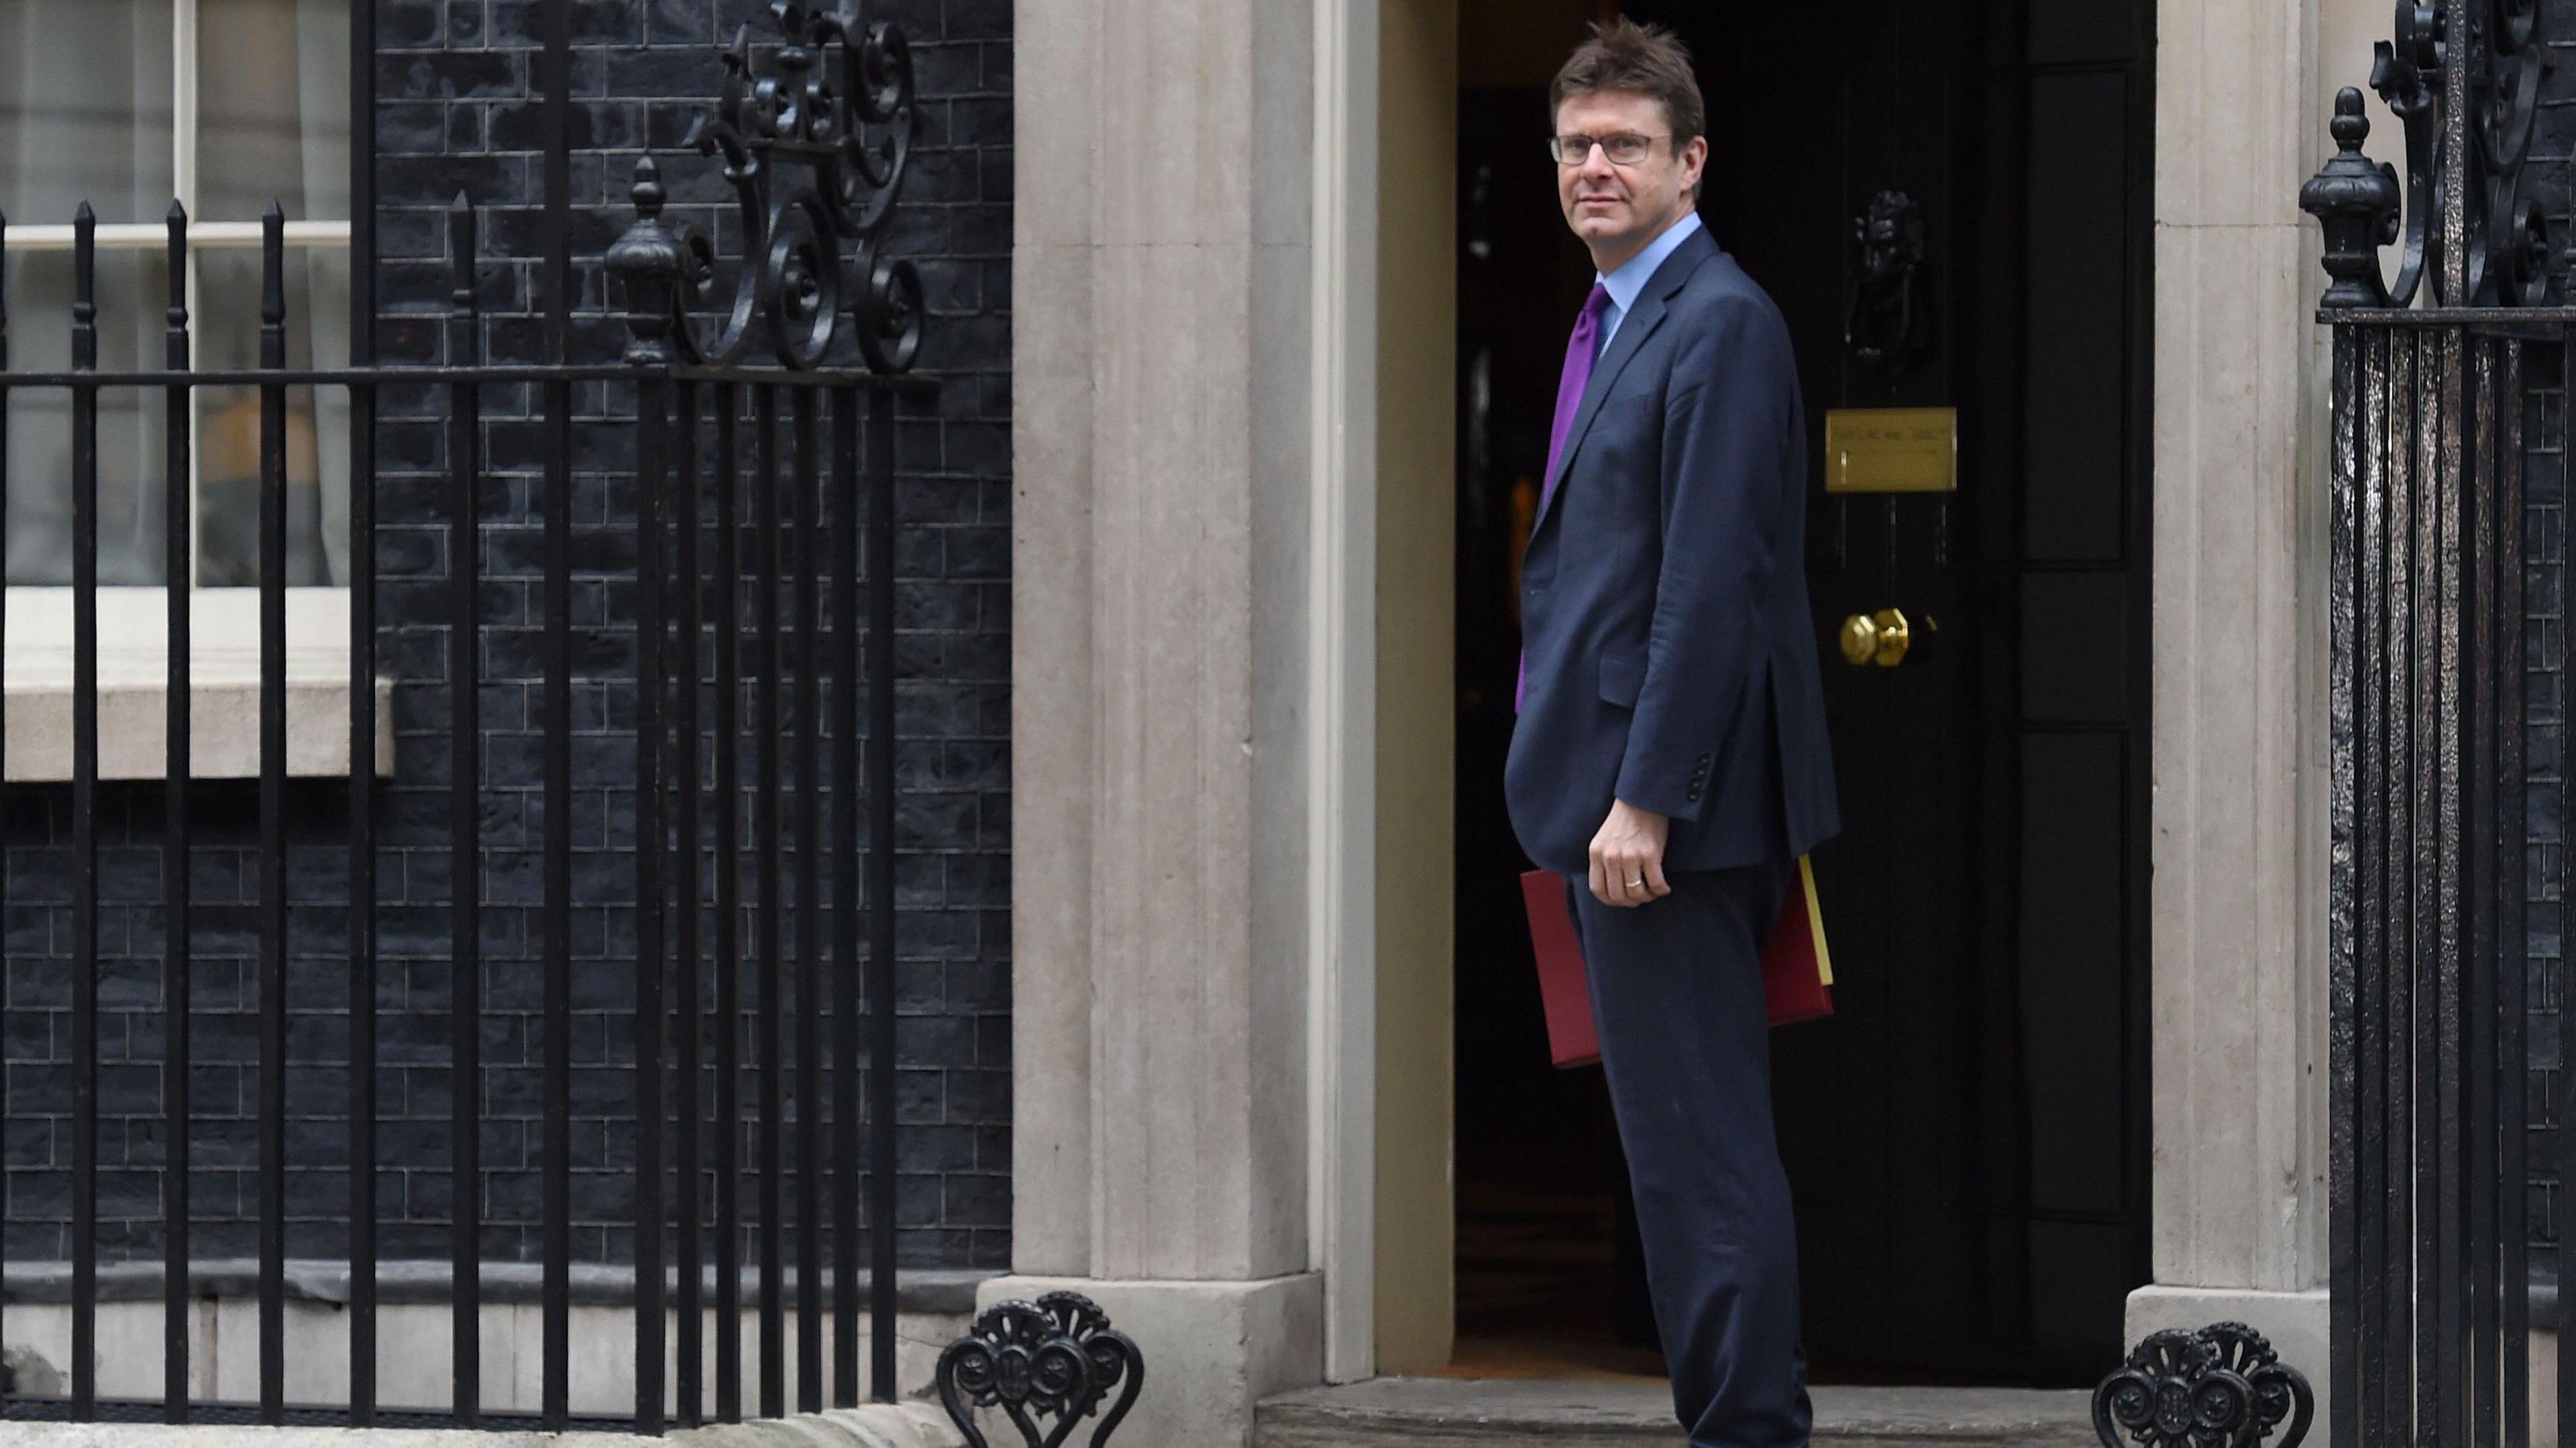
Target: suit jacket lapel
1634	329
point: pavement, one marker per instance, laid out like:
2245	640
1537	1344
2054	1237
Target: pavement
1471	1413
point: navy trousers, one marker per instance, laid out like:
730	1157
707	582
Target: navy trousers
1677	995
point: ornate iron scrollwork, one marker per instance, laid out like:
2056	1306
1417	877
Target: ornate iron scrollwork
816	154
1057	1358
2465	181
2220	1387
1882	321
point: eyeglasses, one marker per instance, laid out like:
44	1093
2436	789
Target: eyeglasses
1622	149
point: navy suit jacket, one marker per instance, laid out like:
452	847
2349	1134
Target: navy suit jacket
1671	649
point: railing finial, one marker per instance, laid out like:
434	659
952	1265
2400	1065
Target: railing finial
272	278
461	248
651	261
84	289
2359	205
175	316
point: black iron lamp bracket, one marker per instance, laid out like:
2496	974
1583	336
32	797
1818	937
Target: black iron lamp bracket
2464	77
816	154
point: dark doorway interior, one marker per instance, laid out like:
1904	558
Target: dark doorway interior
1967	1138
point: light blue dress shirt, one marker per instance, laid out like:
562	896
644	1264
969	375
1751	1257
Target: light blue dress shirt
1625	283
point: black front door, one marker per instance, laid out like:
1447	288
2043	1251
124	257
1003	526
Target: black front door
1967	1138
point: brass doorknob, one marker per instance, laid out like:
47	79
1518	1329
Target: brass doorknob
1860	640
1880	639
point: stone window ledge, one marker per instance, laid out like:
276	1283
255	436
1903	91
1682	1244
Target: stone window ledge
224	664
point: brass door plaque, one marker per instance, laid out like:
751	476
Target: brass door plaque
1892	450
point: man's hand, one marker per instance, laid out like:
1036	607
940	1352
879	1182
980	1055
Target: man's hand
1628	856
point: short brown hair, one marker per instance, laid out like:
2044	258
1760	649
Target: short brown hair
1622	55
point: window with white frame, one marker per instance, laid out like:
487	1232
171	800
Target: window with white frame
223	105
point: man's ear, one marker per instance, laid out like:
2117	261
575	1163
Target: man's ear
1694	159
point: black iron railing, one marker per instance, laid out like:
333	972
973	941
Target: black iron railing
2450	1133
762	555
2433	1102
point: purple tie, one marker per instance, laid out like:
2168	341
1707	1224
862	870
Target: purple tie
1580	349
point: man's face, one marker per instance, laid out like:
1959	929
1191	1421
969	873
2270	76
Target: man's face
1616	208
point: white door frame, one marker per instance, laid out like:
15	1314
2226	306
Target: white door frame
1342	693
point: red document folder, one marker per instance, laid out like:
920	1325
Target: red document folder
1797	972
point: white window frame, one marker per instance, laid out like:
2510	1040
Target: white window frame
134	642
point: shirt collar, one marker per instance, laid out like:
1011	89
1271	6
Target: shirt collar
1625	283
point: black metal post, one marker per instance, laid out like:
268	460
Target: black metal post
2512	765
2478	924
2364	1155
809	915
2423	816
2344	1312
555	1148
2397	800
849	1175
179	572
362	718
2450	1243
272	825
84	819
652	439
464	821
728	867
882	1163
690	1245
769	663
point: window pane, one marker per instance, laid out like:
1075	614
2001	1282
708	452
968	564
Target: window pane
273	108
85	109
131	437
317	421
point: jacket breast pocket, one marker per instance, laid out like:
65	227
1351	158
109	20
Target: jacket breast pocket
1622	675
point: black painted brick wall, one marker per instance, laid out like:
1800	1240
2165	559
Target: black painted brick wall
456	112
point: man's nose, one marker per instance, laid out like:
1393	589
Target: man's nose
1596	165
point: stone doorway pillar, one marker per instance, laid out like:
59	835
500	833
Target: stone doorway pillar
2240	821
1163	358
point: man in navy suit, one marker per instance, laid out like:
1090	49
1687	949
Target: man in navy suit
1671	750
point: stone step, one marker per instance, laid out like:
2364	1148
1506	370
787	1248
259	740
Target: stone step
1470	1413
